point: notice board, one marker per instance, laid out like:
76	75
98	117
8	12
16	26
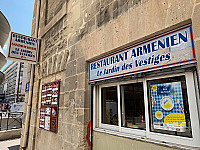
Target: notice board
49	106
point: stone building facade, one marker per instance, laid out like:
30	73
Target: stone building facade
73	33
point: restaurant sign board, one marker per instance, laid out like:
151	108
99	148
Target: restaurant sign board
22	48
172	48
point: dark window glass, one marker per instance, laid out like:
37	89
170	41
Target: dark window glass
132	105
169	110
109	105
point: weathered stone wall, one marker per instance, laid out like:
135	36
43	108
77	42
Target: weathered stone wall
73	32
52	8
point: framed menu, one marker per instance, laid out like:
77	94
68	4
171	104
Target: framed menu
49	106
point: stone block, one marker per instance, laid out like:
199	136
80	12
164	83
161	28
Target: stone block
69	115
80	98
68	146
97	42
177	11
86	116
85	4
76	10
73	38
157	15
71	83
123	6
108	42
120	31
72	97
196	22
137	29
61	100
49	64
81	81
72	54
105	3
80	116
135	3
64	60
87	97
91	11
87	27
81	65
71	68
59	59
66	99
79	51
86	46
105	15
62	85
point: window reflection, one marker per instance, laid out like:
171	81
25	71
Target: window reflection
132	105
109	105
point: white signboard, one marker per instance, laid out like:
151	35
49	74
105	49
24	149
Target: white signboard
17	107
172	48
22	48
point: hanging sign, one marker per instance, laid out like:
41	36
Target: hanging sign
49	106
167	107
22	48
172	48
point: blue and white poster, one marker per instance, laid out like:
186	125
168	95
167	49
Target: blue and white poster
167	107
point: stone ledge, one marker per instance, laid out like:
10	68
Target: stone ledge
10	134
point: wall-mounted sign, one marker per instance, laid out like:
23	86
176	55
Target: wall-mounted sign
22	48
27	87
49	106
167	107
172	48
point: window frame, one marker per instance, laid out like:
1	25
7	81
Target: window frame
119	130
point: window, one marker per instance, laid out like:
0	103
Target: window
169	111
159	108
109	105
132	105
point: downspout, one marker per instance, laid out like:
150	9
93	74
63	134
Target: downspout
28	112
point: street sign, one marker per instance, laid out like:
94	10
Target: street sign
27	87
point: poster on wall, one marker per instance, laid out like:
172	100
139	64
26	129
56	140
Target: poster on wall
167	107
49	106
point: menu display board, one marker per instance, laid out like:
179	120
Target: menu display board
49	106
167	106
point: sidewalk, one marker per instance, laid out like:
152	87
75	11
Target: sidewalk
10	144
